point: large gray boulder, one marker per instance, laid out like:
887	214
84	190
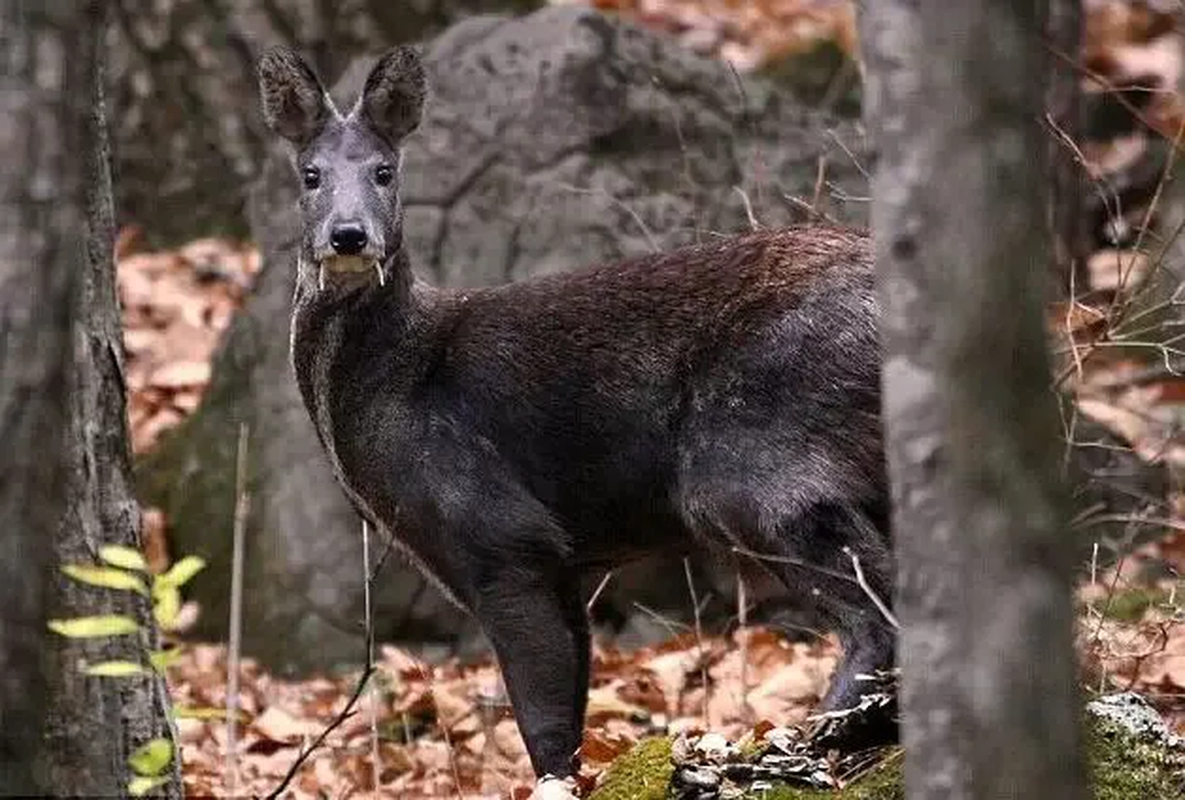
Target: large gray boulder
550	141
187	135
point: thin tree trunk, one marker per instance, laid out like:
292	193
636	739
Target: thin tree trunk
93	724
41	245
955	100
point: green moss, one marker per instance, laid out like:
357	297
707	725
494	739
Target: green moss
822	74
1121	768
1130	605
882	783
641	774
644	773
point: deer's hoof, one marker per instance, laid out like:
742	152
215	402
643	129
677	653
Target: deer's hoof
550	788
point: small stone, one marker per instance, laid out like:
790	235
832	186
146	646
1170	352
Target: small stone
715	748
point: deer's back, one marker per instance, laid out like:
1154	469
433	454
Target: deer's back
593	385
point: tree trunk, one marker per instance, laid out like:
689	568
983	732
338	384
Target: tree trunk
92	724
41	243
955	94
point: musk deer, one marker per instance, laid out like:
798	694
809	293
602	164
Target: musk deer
514	438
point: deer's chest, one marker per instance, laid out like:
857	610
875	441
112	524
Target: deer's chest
353	401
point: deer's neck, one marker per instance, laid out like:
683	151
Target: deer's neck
353	345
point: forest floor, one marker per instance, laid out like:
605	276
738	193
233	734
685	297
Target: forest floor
444	729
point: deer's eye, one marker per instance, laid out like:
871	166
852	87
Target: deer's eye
311	177
383	175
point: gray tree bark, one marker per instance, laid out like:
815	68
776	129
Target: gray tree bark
42	109
91	725
954	104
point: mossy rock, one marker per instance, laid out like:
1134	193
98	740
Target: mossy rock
1127	767
644	773
1122	767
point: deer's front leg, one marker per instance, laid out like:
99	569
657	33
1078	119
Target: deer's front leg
536	622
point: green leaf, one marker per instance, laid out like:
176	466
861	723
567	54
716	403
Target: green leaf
163	659
143	784
88	627
114	669
180	573
167	606
106	576
152	758
118	555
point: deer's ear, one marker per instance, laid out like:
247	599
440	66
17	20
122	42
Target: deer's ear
393	99
294	104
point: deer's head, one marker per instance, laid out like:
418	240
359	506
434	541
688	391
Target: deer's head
348	164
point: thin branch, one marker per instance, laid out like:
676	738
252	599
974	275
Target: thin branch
796	562
873	596
596	595
743	640
847	151
673	626
699	637
1110	87
349	709
759	176
1153	204
650	238
375	763
234	647
753	223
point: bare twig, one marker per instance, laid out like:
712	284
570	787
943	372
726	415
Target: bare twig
820	178
795	562
674	627
873	596
1153	204
811	209
375	763
650	239
699	637
349	709
743	641
759	177
1101	80
847	151
234	647
596	595
753	223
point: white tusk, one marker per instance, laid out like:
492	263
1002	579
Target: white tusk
378	267
321	275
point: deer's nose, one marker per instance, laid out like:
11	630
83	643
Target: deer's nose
348	239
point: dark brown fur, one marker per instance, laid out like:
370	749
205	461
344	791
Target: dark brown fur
515	438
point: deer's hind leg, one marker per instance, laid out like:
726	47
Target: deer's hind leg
808	545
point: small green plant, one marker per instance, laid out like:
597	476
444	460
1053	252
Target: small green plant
124	569
150	763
